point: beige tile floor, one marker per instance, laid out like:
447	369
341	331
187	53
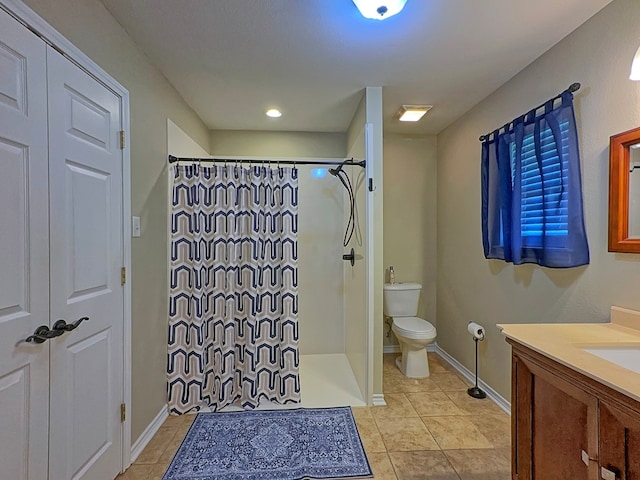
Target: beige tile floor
430	429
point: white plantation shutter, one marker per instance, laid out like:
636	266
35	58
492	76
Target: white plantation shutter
544	195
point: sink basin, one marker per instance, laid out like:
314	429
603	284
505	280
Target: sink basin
626	356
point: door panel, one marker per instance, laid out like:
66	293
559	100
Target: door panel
14	392
24	253
14	289
13	76
87	120
86	257
88	204
89	360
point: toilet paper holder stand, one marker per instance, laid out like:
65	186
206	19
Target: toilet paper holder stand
478	335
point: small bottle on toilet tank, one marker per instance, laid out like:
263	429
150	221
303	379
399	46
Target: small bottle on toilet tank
392	275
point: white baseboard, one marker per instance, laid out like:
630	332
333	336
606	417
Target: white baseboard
391	349
378	400
396	348
502	402
149	432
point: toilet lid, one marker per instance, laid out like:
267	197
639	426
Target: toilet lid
414	325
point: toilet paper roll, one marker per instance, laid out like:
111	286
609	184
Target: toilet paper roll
476	330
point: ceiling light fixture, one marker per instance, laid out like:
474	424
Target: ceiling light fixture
274	113
379	9
635	67
412	113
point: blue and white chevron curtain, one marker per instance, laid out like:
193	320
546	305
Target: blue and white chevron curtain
233	306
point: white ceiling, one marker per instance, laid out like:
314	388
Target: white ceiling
232	59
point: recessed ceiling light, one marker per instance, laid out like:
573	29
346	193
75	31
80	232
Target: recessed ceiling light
412	113
274	113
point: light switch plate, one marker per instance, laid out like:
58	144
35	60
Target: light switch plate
135	226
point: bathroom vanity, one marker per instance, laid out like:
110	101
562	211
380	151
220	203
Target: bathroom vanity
576	399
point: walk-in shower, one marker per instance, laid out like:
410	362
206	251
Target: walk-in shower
329	293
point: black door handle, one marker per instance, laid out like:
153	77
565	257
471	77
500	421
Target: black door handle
42	334
62	326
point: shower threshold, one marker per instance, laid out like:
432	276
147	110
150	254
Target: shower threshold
325	381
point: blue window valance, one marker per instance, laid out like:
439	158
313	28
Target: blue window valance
532	189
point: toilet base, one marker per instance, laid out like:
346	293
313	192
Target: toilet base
414	363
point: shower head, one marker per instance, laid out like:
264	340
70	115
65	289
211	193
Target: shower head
336	171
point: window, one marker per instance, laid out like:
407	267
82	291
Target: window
532	190
544	198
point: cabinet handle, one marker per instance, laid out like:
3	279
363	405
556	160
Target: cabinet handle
586	458
607	474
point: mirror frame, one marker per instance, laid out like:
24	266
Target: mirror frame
619	154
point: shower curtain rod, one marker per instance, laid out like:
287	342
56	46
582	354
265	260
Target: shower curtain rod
349	161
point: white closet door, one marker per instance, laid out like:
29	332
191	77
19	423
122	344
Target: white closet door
86	256
24	253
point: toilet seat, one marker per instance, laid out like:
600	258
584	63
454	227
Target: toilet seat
414	327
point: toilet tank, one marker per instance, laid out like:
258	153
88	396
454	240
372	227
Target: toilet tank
401	299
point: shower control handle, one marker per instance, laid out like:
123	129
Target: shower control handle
351	257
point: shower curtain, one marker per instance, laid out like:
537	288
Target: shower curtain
233	300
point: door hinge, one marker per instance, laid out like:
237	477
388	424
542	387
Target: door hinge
123	412
123	275
122	137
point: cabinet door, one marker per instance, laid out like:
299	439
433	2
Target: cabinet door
619	443
24	253
555	426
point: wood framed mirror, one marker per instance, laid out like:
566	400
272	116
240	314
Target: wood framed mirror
624	192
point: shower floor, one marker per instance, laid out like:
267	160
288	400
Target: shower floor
328	381
325	381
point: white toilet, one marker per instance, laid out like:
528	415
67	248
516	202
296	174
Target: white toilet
414	334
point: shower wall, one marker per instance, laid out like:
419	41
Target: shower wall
320	226
320	233
355	277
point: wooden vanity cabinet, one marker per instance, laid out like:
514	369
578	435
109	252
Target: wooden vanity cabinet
568	426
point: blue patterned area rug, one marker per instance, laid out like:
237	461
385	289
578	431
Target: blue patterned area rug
271	445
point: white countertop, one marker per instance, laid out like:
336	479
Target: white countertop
564	343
